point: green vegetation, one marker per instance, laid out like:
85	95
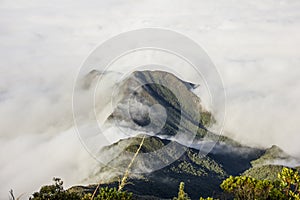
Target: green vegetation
268	172
150	144
54	192
181	193
289	183
201	174
273	153
247	188
57	192
243	188
207	119
188	168
209	164
183	108
285	187
109	194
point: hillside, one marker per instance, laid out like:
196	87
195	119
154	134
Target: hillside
136	109
182	109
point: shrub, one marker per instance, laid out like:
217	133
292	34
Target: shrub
289	183
54	192
246	188
112	194
57	192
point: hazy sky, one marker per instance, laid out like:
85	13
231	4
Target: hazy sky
254	44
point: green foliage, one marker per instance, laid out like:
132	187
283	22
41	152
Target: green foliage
150	144
209	164
289	183
207	119
54	192
208	198
108	194
187	167
270	154
87	197
244	187
181	194
57	192
182	105
286	187
112	194
269	172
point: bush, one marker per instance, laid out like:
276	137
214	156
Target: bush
112	194
54	192
248	188
289	183
243	187
57	192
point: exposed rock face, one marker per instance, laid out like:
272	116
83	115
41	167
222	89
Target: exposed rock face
159	102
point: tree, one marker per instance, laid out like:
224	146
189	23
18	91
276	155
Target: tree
54	192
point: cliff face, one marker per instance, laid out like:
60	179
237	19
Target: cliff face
159	102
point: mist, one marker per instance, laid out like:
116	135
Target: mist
255	46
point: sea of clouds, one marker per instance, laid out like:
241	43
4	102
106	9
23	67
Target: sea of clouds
254	44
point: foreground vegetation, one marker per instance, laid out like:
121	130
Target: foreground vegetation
248	188
287	186
57	192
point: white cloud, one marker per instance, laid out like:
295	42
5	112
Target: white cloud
255	46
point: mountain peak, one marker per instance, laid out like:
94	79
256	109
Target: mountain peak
272	155
161	103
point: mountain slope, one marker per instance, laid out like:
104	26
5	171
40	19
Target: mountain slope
270	163
162	106
202	174
143	89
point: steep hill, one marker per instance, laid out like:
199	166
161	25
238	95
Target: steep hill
202	174
161	106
